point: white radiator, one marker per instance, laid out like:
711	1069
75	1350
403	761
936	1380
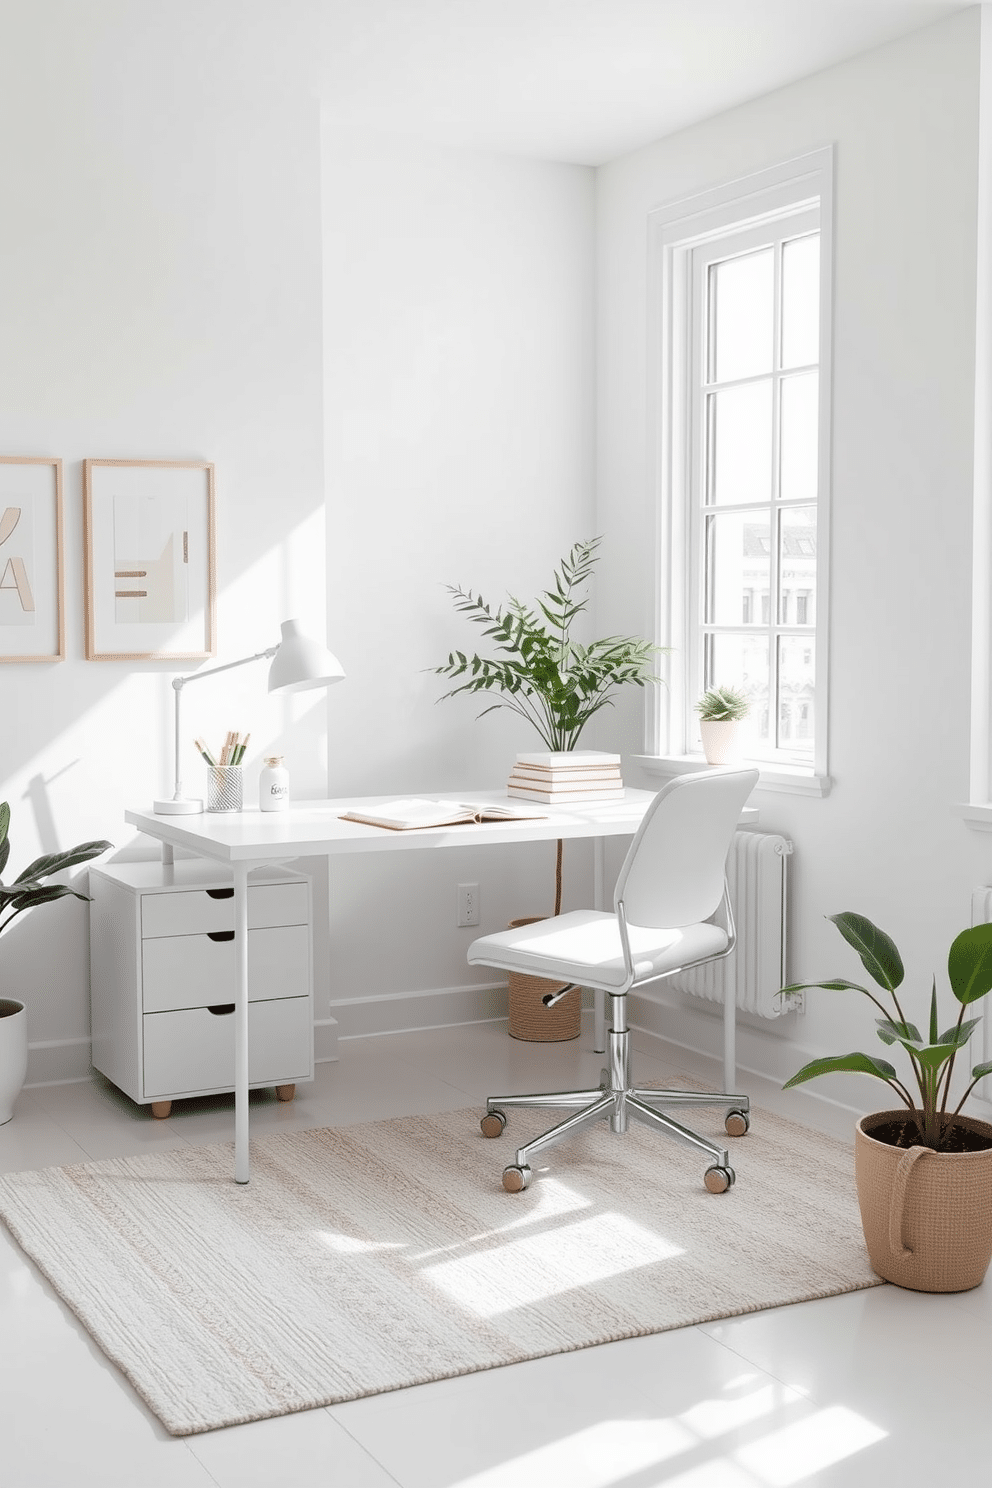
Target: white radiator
755	970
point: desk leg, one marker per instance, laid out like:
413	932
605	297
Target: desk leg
168	854
241	1022
598	997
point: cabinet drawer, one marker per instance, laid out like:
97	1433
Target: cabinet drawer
193	1051
193	971
198	911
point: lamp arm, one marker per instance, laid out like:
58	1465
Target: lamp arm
178	683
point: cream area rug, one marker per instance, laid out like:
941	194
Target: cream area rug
367	1258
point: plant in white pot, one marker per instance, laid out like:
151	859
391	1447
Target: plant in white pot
923	1170
26	892
721	711
556	684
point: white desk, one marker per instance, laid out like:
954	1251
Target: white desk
251	839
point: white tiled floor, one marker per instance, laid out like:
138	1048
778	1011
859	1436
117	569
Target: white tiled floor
878	1387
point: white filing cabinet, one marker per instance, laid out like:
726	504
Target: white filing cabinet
162	979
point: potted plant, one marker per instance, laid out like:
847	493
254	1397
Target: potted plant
556	684
25	892
923	1170
721	710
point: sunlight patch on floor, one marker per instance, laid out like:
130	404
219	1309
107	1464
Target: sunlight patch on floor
797	1451
552	1199
520	1272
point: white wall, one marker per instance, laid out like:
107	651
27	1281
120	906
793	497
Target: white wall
458	296
886	842
161	273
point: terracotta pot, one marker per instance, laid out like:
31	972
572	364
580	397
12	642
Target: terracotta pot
721	740
529	1018
927	1216
13	1054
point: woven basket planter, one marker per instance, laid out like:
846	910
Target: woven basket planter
529	1018
927	1216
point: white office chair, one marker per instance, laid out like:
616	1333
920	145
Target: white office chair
671	912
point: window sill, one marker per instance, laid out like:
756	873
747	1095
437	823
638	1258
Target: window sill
795	780
976	816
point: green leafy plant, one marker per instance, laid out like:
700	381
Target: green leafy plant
27	890
723	705
931	1059
545	676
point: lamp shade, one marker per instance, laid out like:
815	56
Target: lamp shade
302	663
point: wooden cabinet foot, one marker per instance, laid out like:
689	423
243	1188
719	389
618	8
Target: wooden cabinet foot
285	1092
161	1109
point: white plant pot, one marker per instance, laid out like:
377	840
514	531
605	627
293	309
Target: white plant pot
721	740
13	1054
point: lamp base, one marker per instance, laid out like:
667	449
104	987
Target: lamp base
177	808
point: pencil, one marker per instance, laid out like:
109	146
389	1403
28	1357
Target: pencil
204	751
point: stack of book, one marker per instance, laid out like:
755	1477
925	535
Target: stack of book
576	775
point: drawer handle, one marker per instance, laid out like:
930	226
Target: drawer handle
220	934
220	893
221	1009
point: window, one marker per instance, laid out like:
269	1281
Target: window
743	410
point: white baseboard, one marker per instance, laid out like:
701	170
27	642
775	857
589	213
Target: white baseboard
58	1062
405	1012
325	1040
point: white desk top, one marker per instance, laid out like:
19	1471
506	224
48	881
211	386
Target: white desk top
315	828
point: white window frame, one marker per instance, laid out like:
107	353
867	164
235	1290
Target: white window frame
674	231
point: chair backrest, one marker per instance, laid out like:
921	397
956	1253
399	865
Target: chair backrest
673	873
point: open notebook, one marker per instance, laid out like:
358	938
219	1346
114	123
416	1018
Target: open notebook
404	816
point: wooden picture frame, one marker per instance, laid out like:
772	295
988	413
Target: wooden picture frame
32	569
150	567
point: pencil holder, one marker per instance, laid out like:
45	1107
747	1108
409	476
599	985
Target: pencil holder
225	788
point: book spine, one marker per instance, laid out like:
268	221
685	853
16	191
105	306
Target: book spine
550	778
524	793
591	759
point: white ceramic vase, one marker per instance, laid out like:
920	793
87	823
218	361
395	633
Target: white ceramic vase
721	740
13	1054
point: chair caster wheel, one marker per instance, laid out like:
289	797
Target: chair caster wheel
718	1180
492	1124
515	1180
737	1123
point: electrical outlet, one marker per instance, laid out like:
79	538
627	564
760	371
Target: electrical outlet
468	904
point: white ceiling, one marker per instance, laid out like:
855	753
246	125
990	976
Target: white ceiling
582	80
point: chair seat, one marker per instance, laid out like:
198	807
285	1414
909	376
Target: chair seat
584	947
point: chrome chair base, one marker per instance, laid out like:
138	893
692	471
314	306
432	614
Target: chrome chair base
618	1101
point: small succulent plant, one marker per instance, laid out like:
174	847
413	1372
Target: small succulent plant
723	705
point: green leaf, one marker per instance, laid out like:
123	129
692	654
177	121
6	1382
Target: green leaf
969	964
934	1056
837	985
982	1069
859	1064
4	820
56	862
30	897
890	1031
958	1036
933	1013
877	950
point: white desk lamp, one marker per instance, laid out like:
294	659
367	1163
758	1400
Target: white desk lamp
298	664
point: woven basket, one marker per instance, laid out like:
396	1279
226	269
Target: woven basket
529	1018
927	1216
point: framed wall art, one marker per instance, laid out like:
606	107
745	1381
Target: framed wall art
148	530
32	596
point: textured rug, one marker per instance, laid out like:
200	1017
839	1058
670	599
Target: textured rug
367	1258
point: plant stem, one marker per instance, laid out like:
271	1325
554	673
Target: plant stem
558	855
